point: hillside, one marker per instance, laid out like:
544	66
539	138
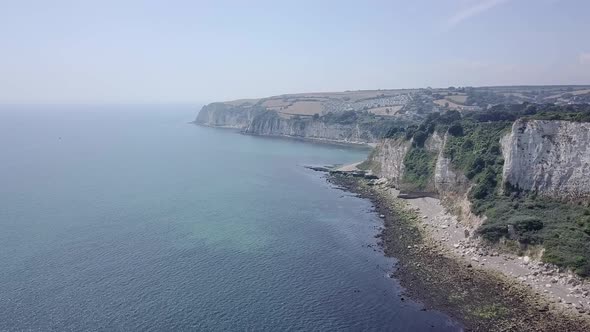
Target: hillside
367	116
517	175
510	164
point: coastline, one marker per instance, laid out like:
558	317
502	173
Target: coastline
482	299
356	144
447	272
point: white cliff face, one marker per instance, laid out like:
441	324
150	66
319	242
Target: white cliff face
446	179
274	125
388	159
226	116
257	121
434	143
549	157
453	188
389	155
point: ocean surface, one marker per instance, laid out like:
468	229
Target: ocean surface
127	218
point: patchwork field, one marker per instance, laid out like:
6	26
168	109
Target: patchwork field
457	99
451	105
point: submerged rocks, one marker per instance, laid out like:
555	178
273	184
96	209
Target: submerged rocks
318	168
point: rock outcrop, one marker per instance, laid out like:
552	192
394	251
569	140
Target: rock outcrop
551	158
271	124
256	120
387	160
435	142
227	116
448	180
451	185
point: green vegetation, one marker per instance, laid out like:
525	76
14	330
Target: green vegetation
379	126
348	117
483	98
475	150
562	228
491	311
473	146
370	164
577	113
419	163
419	168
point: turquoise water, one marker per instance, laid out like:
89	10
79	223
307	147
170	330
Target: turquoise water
128	218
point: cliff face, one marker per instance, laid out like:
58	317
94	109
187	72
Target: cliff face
226	116
271	124
387	159
549	157
259	121
446	178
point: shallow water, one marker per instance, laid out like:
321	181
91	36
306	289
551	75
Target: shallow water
128	218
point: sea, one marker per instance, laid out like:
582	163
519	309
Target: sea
129	218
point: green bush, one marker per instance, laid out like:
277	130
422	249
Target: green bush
419	168
473	146
419	138
560	227
456	129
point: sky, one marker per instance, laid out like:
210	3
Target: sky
178	51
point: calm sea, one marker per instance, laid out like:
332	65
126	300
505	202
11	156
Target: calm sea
127	218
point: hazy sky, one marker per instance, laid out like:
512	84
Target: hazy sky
201	51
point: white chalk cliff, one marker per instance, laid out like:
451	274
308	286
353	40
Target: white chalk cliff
549	157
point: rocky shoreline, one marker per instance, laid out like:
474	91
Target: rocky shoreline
482	299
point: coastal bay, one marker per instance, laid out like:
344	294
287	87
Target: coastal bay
127	218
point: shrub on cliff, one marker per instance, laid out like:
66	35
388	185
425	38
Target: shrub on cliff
419	138
473	146
558	226
456	129
419	169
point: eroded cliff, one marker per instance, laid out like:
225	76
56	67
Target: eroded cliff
551	158
347	127
387	159
226	115
271	124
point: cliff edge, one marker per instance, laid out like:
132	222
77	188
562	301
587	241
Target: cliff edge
519	180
